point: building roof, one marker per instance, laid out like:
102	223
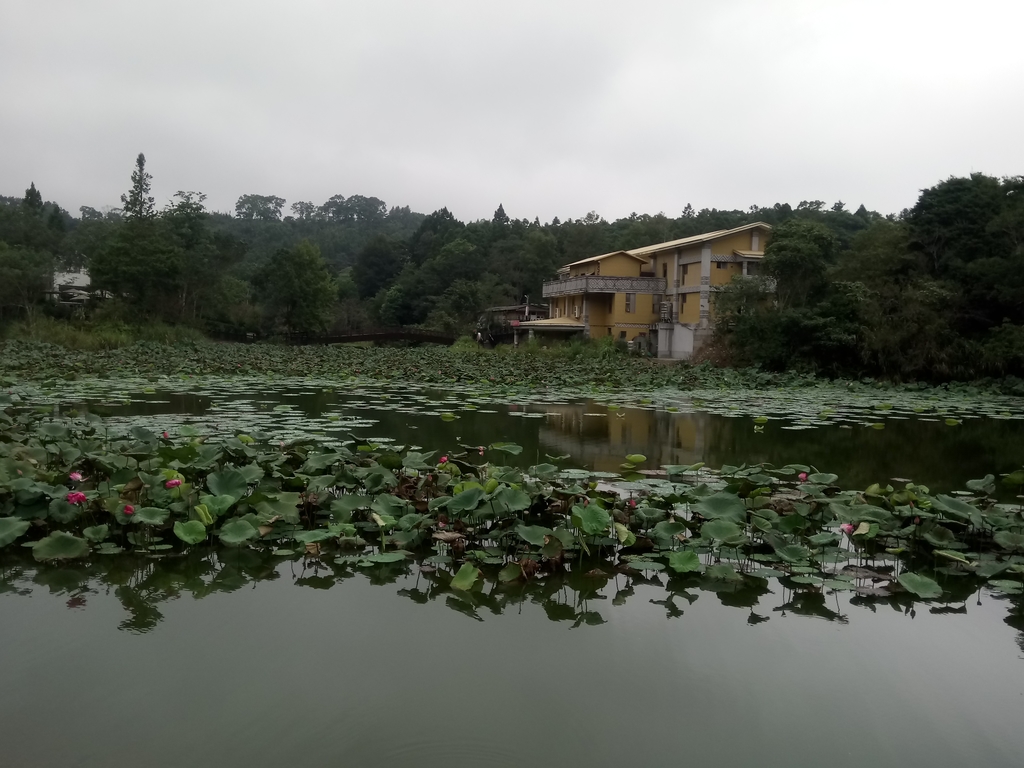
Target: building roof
718	234
749	254
510	307
554	324
642	253
603	256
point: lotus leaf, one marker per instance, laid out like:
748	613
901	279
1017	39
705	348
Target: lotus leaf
237	532
228	482
60	546
513	449
60	511
684	561
510	572
534	534
625	536
722	572
1006	586
218	505
96	533
466	501
191	532
387	557
11	528
921	586
465	578
954	507
591	519
1011	541
720	530
151	516
723	506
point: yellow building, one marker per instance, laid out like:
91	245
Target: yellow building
661	292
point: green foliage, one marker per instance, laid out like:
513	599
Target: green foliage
25	275
297	290
938	294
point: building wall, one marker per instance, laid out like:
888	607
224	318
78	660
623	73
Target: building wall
619	265
722	273
689	308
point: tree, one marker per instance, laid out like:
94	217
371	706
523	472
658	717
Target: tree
25	276
377	265
259	207
33	202
298	292
137	203
798	258
202	256
500	218
304	211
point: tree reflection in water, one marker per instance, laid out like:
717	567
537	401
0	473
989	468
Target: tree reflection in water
579	598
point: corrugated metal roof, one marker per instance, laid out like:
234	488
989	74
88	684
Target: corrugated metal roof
603	256
694	239
553	321
647	250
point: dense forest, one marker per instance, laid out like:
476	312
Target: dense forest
936	292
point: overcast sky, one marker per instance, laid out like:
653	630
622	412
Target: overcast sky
552	108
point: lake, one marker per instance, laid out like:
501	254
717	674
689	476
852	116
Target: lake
240	657
122	664
864	437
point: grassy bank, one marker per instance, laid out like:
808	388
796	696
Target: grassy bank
91	336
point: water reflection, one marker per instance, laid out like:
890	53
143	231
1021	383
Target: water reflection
593	435
927	451
576	597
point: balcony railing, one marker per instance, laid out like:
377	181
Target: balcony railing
572	286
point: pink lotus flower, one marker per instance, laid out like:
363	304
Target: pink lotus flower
128	509
802	477
632	503
481	450
847	528
172	483
76	476
76	497
166	436
443	460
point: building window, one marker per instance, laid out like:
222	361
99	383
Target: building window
753	269
622	335
631	302
682	300
722	264
664	269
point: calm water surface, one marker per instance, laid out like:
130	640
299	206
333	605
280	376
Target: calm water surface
237	661
588	433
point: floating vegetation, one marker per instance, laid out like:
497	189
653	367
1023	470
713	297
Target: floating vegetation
72	487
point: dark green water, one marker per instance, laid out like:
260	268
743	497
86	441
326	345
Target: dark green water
238	661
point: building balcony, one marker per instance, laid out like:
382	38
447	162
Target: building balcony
573	286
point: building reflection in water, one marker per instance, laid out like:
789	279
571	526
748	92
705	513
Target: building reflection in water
601	439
